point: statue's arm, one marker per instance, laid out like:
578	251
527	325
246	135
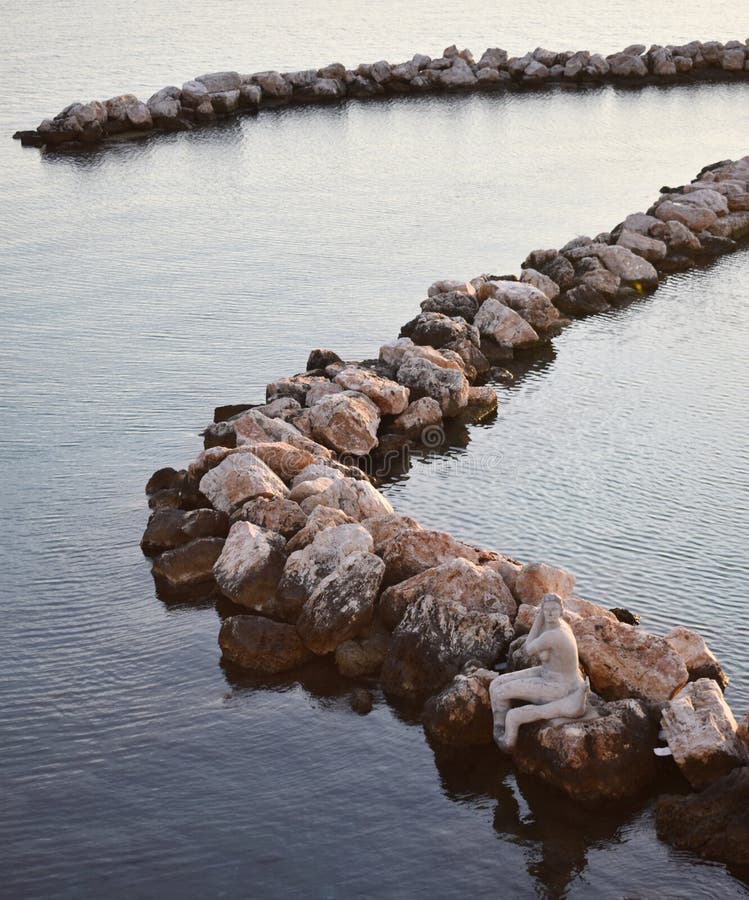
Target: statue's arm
544	641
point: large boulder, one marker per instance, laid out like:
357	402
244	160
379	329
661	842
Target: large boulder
531	303
384	528
275	514
284	459
249	568
452	303
534	580
346	422
275	87
701	731
342	604
306	568
706	198
627	65
412	551
189	564
459	75
461	715
358	499
433	642
434	329
388	396
420	415
254	427
170	528
696	218
633	270
238	478
623	661
449	387
218	82
606	757
261	645
475	587
713	823
395	353
495	320
697	657
319	519
647	247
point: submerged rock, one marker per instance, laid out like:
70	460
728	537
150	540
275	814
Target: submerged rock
262	645
189	564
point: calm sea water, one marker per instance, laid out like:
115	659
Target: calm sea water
144	285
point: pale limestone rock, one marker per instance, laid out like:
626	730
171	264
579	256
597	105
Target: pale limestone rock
701	733
306	568
294	386
475	587
189	564
253	427
314	471
280	408
449	387
397	352
249	567
319	519
309	488
696	218
410	552
207	460
433	642
595	760
346	422
384	528
447	285
358	499
647	247
425	413
623	661
238	478
388	396
275	514
697	657
497	321
320	390
536	579
262	645
461	714
342	605
542	282
286	461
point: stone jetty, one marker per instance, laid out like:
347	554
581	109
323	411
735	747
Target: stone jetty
207	98
280	514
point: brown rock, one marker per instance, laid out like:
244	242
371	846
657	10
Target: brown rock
536	579
363	655
170	528
274	514
346	422
697	657
388	396
286	461
461	715
249	568
420	415
190	563
411	552
262	645
386	527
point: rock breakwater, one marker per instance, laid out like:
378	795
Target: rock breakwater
280	514
207	98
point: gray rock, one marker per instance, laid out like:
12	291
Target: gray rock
216	82
423	378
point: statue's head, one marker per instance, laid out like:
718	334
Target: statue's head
552	608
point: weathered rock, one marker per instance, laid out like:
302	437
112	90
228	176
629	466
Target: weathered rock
395	353
283	459
735	225
583	300
294	386
461	715
734	59
493	58
125	113
327	469
434	329
262	645
320	518
346	422
482	402
194	93
676	236
226	102
497	321
305	569
449	387
433	642
647	247
216	82
705	198
593	760
529	302
238	478
309	488
385	528
253	427
413	551
541	282
249	568
713	823
274	85
165	107
623	661
626	65
697	657
701	732
473	359
365	654
451	303
190	563
275	514
534	580
696	218
475	587
342	605
250	95
552	264
170	528
420	415
631	269
388	396
459	75
358	499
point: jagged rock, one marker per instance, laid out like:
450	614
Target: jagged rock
696	218
419	415
676	236
275	514
632	269
358	499
475	587
346	422
452	303
552	264
434	329
433	642
413	551
188	564
388	396
249	568
165	107
541	282
713	823
274	85
735	225
253	427
262	645
448	285
170	528
342	605
238	478
216	82
459	75
226	102
528	301
534	580
701	731
294	386
283	459
497	321
626	65
320	518
449	387
583	300
305	569
623	661
461	715
385	528
397	352
647	247
473	359
697	657
595	760
493	58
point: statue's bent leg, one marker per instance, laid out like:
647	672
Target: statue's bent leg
570	706
506	688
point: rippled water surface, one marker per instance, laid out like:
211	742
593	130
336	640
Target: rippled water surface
144	285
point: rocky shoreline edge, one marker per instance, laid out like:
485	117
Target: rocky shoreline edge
279	515
208	98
